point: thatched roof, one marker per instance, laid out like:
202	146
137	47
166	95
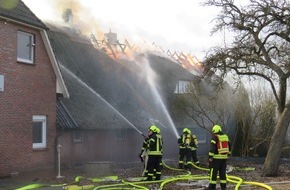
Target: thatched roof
105	93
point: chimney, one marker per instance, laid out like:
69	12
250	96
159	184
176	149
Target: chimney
111	38
68	16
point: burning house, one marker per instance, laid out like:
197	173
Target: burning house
114	101
115	93
111	101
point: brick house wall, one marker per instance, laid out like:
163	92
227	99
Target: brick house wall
29	89
101	145
104	145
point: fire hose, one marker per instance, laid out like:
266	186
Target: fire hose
137	185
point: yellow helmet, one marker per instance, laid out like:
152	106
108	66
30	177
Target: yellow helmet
216	129
186	130
152	128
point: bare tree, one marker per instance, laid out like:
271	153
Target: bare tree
208	101
260	49
243	117
259	124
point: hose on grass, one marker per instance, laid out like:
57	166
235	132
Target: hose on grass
137	185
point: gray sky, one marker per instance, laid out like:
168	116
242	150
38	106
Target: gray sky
171	24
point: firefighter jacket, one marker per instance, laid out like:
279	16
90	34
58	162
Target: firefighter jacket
193	142
184	141
219	146
154	146
161	140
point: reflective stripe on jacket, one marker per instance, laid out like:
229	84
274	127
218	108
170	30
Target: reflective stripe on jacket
214	151
154	145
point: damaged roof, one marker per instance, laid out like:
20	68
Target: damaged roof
105	93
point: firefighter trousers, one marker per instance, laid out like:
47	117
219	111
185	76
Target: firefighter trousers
218	166
154	167
194	157
184	153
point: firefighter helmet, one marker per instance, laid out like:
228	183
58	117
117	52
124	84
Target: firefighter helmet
186	130
152	128
216	129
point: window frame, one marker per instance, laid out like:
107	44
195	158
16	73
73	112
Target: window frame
81	134
182	87
31	39
43	120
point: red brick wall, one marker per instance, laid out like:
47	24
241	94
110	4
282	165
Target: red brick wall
101	145
28	90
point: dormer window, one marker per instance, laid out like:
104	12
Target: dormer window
25	47
182	87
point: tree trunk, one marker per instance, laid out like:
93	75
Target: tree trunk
274	153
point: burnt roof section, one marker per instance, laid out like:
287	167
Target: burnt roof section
105	93
21	13
63	117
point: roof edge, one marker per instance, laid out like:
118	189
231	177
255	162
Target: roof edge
60	84
24	23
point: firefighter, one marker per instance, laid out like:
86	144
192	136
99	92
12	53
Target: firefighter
154	150
218	154
194	145
184	142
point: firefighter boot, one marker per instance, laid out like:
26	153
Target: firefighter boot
223	186
150	177
210	187
158	176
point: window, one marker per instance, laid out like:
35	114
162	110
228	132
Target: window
39	132
200	134
182	87
78	136
25	47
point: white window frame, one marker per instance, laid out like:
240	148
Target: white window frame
182	87
78	136
43	120
28	47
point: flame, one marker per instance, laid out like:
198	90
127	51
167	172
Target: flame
187	61
82	20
